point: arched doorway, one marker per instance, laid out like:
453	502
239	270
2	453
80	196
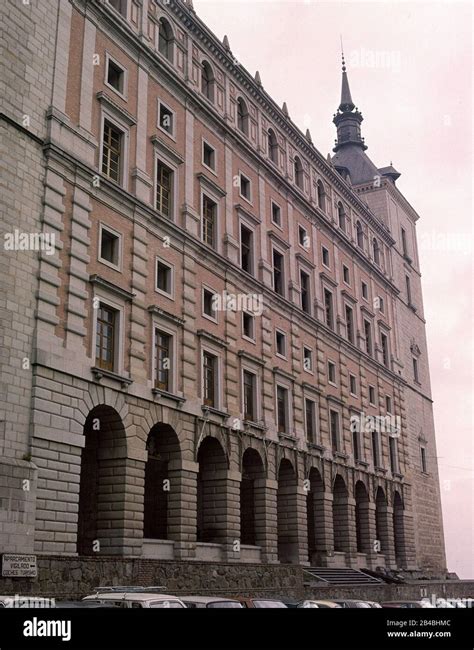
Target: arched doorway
211	492
101	483
381	519
340	515
252	473
287	513
362	515
315	514
162	447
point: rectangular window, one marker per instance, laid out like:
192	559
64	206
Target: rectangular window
109	249
353	384
350	324
209	212
424	465
331	372
282	409
112	151
278	272
415	370
210	379
388	403
303	238
404	242
365	291
345	274
310	420
372	395
208	156
248	325
381	304
328	308
276	214
368	337
356	445
280	340
246	249
305	292
164	278
106	333
115	76
408	287
208	307
250	393
334	429
385	354
166	119
393	454
245	188
376	448
307	359
163	351
325	254
120	6
164	187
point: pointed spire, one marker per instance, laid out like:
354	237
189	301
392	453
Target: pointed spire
225	42
190	5
308	136
346	100
257	78
285	110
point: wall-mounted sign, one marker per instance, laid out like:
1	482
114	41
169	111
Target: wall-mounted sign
19	566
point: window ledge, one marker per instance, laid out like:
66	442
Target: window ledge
99	373
120	112
255	425
397	475
362	463
211	410
340	454
157	392
287	436
380	470
316	447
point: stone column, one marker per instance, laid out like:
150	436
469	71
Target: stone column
182	507
266	519
323	528
386	536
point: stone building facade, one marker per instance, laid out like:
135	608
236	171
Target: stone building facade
224	356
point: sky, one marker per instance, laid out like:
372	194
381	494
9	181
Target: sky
409	65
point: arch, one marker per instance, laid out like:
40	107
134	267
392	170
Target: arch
381	532
242	116
102	465
251	493
321	195
207	81
362	515
315	512
399	529
341	214
299	174
160	499
272	146
340	515
211	491
165	39
359	235
287	518
376	251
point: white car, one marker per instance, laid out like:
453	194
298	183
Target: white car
210	602
136	599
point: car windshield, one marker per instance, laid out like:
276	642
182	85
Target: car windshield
224	603
268	603
167	604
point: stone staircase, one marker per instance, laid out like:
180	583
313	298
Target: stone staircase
339	576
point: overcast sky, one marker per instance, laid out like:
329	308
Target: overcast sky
409	66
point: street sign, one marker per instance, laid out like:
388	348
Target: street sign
19	566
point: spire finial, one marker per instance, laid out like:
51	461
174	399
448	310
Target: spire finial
342	53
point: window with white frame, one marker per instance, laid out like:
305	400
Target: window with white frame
108	335
164	360
208	304
305	288
310	420
164	278
345	274
248	326
210	378
164	189
353	385
282	404
249	393
245	187
165	39
372	395
246	249
393	451
276	214
115	76
325	256
332	372
209	221
166	119
208	156
278	272
376	455
334	430
388	403
110	247
113	151
280	343
307	359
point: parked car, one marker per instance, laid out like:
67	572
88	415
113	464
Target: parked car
210	602
319	604
374	604
135	599
261	603
408	604
81	604
353	604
